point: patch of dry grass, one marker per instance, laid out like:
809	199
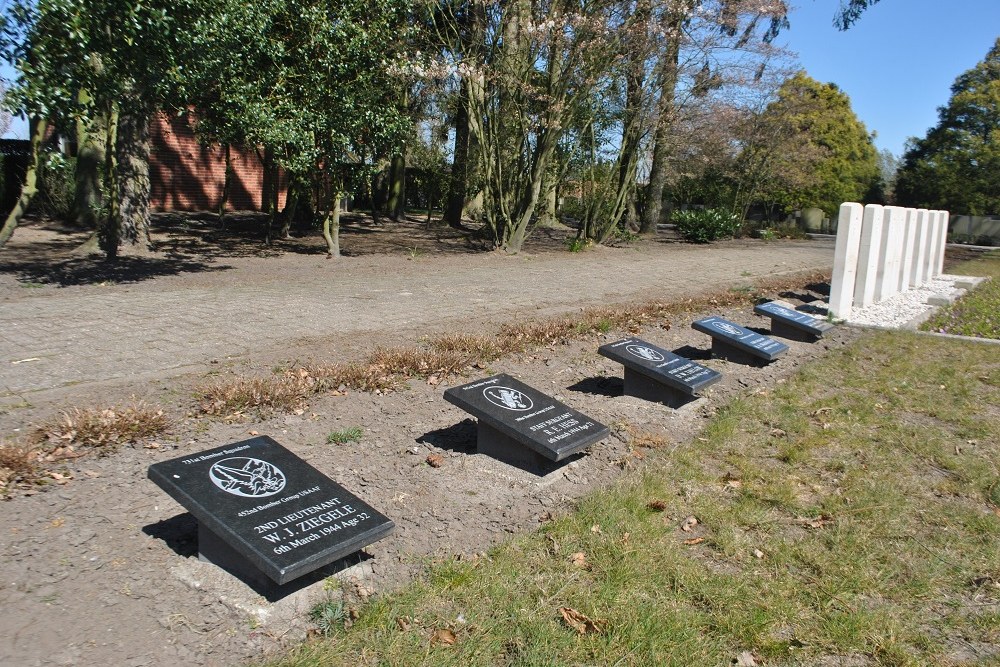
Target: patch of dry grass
17	462
386	368
231	398
103	427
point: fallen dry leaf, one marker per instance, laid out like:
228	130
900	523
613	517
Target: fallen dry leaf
778	433
656	505
580	622
554	547
443	637
745	659
816	523
579	559
757	553
435	460
734	484
403	623
151	445
693	541
688	524
821	411
433	380
596	529
626	537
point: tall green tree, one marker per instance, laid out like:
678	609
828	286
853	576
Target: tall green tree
955	166
310	82
818	152
80	60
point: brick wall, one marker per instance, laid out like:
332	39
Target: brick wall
186	176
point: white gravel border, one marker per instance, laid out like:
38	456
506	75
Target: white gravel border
907	310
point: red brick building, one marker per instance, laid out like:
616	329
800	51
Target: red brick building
186	176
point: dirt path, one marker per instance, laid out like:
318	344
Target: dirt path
53	337
103	569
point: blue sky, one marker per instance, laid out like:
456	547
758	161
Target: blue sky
897	63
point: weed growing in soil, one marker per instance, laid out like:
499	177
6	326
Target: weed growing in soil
104	428
328	616
342	437
978	312
847	516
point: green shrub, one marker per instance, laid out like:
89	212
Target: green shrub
55	185
706	225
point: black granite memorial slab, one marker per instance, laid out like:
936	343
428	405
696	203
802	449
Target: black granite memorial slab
790	323
511	414
655	374
263	510
735	343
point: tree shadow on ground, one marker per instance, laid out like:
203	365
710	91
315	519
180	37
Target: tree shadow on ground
43	251
97	270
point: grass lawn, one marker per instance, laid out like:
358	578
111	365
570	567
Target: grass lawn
978	312
847	516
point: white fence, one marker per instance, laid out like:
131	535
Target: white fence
883	250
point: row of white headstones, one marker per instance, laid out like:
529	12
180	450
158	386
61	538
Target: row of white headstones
884	250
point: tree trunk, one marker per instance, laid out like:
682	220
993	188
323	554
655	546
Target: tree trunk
91	138
291	206
132	152
667	76
331	228
30	186
430	200
227	181
548	217
458	183
108	233
397	187
269	196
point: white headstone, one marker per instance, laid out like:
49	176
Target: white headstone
845	259
919	272
933	244
909	247
887	274
868	254
945	219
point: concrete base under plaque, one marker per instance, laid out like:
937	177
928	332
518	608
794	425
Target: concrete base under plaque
644	387
213	549
785	330
722	350
500	446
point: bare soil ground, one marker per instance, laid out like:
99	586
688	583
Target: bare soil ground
102	567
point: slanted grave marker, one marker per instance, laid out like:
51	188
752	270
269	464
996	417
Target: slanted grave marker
655	374
523	426
266	515
738	344
792	324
